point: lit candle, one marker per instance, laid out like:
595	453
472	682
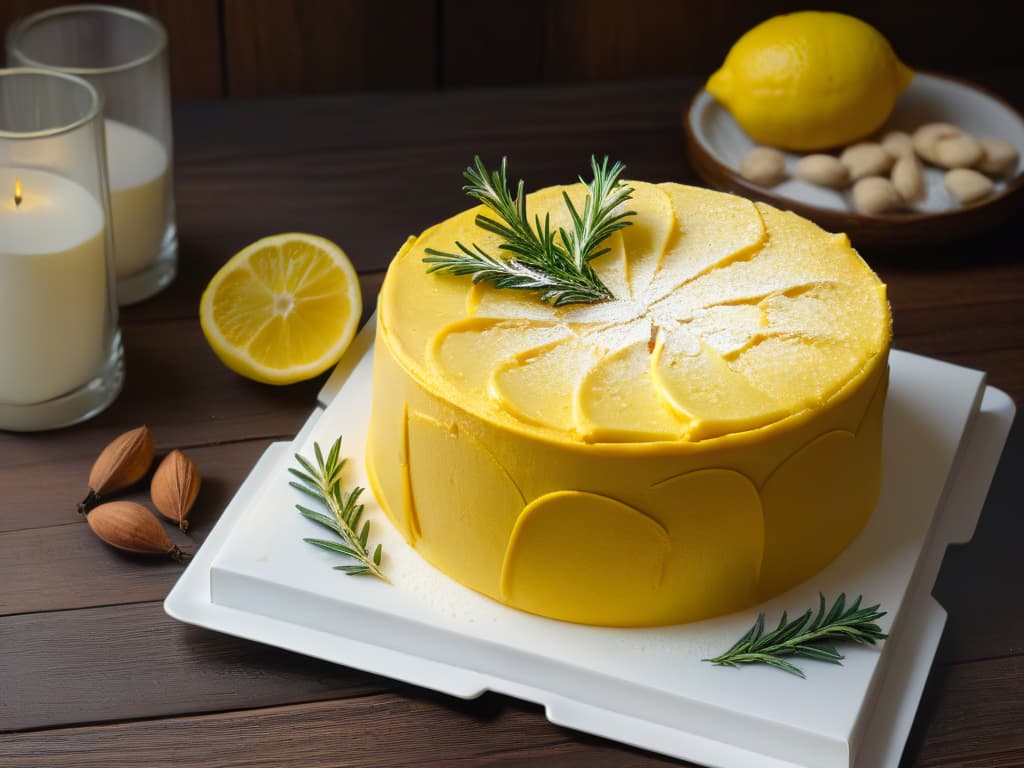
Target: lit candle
53	285
137	167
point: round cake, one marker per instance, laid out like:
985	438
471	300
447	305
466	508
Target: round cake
701	442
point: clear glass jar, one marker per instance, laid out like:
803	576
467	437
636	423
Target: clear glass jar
60	346
123	53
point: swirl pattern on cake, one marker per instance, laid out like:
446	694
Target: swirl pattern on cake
706	439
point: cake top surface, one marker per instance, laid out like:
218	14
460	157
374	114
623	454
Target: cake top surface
729	316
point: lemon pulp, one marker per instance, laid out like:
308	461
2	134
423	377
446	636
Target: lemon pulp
283	309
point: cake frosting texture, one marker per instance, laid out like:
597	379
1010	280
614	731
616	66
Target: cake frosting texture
706	439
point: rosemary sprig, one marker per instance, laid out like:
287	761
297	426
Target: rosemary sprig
804	637
323	483
557	267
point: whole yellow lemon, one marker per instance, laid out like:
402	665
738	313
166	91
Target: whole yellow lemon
810	80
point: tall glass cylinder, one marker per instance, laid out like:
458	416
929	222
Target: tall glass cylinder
60	347
124	55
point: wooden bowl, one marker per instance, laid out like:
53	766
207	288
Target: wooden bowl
716	144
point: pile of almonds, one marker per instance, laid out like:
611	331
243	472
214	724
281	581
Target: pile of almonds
888	175
127	525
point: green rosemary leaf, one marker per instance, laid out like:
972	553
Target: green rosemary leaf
805	636
743	643
316	517
597	221
782	664
758	630
332	546
306	465
355	517
302	476
794	628
353	570
323	483
332	457
312	492
554	264
824	653
836	610
831	650
772	637
354	494
820	616
856	605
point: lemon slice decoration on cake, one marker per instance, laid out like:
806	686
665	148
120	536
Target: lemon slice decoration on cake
810	80
283	309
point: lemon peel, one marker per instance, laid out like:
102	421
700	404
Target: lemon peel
810	80
283	309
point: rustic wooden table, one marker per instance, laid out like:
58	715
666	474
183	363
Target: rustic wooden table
93	673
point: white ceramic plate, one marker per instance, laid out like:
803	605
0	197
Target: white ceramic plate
717	144
254	577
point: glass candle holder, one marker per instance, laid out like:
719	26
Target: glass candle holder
124	55
60	347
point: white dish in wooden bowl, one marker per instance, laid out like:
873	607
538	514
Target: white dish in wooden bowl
716	145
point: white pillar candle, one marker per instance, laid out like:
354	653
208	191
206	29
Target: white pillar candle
137	166
53	286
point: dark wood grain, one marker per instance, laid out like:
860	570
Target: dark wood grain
79	649
223	467
979	723
599	40
373	731
134	661
588	40
507	53
43	523
245	48
90	572
162	361
193	39
980	580
386	729
277	47
215	132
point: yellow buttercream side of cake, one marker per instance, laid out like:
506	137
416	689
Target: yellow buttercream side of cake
708	439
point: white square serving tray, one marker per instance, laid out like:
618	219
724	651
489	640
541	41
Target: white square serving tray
254	577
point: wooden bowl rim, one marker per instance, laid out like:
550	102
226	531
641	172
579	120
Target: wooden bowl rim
961	213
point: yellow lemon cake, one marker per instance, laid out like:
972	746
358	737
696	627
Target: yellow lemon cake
703	441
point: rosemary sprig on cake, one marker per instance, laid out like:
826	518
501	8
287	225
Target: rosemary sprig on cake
554	264
323	483
804	637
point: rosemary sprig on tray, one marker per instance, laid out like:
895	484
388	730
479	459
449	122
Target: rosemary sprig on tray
557	267
323	483
804	637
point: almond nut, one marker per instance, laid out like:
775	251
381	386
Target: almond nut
866	159
124	462
764	166
174	487
925	138
1000	157
876	194
966	185
961	151
908	178
131	527
824	170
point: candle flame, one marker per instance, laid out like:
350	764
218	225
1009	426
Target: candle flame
17	192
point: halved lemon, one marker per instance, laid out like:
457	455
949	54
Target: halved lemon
283	309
